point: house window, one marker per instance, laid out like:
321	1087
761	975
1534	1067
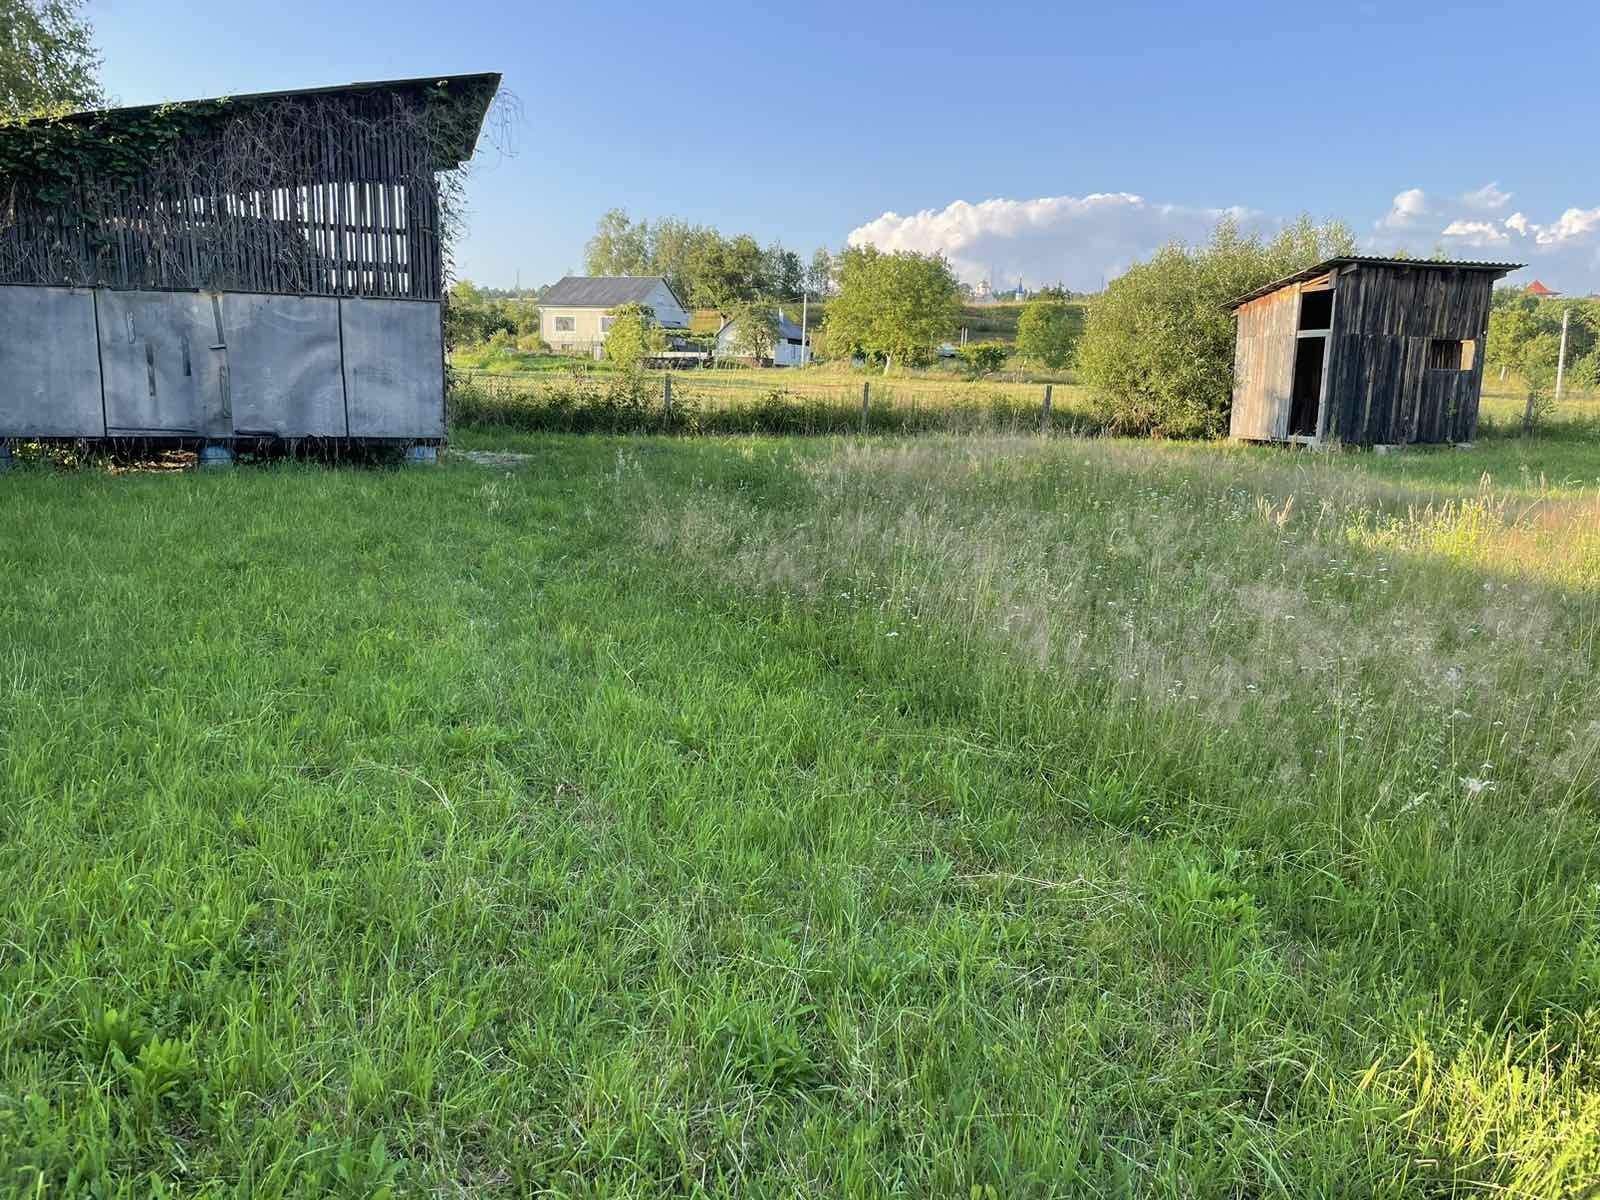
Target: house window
1447	355
566	324
606	323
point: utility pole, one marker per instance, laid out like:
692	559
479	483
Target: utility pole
1561	359
805	330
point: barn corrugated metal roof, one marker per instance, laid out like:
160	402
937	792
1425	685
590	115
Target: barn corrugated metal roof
1372	260
601	291
476	89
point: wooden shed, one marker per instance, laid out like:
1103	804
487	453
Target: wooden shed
261	266
1366	351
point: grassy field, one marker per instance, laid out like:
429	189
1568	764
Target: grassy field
822	400
975	816
806	402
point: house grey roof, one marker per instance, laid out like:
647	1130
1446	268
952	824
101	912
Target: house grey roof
1368	260
601	291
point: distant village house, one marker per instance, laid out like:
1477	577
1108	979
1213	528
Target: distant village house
788	350
575	314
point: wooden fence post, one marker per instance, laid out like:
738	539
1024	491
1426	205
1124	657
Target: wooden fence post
866	393
666	395
1044	412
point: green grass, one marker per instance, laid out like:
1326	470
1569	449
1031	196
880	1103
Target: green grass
976	816
807	402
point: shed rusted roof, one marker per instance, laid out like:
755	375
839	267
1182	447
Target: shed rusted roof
1365	260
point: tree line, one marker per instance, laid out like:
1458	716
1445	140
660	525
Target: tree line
1525	340
706	268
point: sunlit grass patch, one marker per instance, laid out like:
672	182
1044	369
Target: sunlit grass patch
938	816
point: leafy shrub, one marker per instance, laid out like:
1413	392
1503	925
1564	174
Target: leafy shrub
1157	351
631	402
983	357
1047	330
634	335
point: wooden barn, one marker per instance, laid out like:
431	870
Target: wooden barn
1366	351
253	267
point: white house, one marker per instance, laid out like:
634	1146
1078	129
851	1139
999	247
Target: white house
787	351
575	314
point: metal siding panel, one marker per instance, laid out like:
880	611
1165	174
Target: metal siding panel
49	364
161	374
284	365
392	372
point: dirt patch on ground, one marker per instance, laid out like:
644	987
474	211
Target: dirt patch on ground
493	458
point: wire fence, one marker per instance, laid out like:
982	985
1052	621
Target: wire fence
748	402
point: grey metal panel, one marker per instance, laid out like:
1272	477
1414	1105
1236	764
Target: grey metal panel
49	365
284	375
162	374
393	368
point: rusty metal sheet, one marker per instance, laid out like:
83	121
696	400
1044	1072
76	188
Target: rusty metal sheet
162	374
49	368
393	368
284	375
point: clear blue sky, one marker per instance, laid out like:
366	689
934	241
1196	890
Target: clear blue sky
806	122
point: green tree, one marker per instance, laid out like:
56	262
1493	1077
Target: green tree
464	315
1536	363
672	244
634	335
819	275
1047	329
522	313
48	62
724	272
619	246
1525	336
1513	319
895	307
472	316
1157	349
783	274
982	358
755	329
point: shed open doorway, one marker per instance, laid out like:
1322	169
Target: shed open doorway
1310	362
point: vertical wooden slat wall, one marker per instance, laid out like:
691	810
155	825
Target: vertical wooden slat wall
351	210
1263	366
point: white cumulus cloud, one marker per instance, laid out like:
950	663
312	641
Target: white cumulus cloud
1576	224
1476	233
1488	198
1076	240
1407	210
1082	240
1566	250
